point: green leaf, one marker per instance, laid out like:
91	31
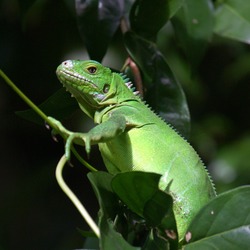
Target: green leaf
158	213
31	10
224	223
148	17
86	234
174	6
163	93
154	241
231	162
98	21
135	188
157	207
110	238
233	20
101	183
140	192
193	25
60	105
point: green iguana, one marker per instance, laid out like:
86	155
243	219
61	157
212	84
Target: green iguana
132	137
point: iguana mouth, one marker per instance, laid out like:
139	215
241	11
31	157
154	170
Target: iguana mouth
75	78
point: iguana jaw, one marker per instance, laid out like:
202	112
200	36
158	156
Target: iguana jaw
75	83
71	78
82	88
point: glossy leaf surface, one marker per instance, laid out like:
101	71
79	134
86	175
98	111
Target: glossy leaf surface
140	192
233	20
97	22
147	17
224	223
163	93
110	238
193	25
59	105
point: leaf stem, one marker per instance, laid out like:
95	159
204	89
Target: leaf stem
42	115
73	198
79	158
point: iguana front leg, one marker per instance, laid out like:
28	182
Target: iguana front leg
103	132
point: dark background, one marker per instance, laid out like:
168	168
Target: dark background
34	39
34	212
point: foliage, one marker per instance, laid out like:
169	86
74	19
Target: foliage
219	224
197	26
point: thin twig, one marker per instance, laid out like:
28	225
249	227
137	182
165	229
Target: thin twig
73	198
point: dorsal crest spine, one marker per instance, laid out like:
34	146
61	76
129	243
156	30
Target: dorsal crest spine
129	84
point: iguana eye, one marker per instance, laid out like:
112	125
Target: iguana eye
106	88
92	69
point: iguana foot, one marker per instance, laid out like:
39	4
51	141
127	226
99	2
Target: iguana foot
80	139
58	128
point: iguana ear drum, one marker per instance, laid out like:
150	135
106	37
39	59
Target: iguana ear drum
106	88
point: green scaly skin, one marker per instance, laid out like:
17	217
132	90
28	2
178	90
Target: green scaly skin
131	137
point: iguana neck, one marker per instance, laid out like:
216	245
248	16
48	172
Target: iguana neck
121	94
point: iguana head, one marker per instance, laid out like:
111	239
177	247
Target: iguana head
93	85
